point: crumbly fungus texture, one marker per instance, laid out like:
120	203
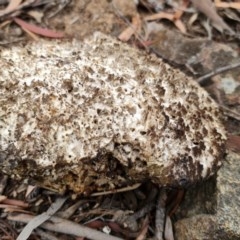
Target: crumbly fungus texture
100	115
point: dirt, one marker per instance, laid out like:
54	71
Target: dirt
82	18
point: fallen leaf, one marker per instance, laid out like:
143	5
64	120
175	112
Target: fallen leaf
13	4
208	8
180	25
168	233
2	198
36	15
220	4
128	32
161	15
15	202
175	18
3	24
192	19
144	229
38	30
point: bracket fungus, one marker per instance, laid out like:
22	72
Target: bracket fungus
100	115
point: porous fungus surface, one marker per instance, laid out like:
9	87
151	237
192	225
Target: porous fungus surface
100	115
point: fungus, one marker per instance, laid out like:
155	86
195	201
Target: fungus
100	115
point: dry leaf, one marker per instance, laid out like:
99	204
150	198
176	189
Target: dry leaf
3	24
175	18
36	15
38	30
2	197
192	19
13	4
40	219
144	229
180	25
168	233
128	32
208	8
15	202
220	4
161	15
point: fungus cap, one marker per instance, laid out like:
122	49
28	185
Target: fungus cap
99	115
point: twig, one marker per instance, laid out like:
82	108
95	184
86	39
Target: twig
38	220
6	228
160	214
202	79
168	231
3	183
61	225
143	232
176	202
230	112
146	209
67	213
15	202
125	189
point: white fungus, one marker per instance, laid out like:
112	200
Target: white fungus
99	115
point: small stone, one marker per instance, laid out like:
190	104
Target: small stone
211	210
199	227
100	115
227	194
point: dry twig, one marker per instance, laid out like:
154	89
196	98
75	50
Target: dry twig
168	232
202	79
230	113
221	4
143	232
3	183
125	189
64	226
160	214
70	211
